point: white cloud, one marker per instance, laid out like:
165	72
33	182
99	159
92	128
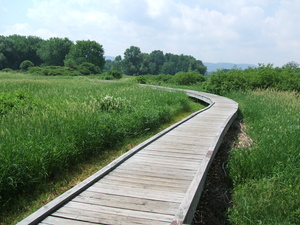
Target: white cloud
211	30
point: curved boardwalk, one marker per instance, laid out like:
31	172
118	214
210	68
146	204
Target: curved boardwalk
158	182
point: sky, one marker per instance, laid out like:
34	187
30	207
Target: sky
235	31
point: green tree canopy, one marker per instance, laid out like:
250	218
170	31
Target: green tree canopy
54	51
15	49
157	59
132	60
117	64
86	51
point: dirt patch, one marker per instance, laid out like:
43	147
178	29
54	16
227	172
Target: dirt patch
216	195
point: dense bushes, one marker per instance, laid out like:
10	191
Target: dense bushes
53	71
264	77
188	78
182	78
87	68
221	81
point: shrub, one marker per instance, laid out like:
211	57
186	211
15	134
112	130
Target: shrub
87	68
25	65
154	79
188	78
53	71
116	74
15	101
264	77
7	70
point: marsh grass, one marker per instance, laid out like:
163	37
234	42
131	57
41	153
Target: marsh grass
68	124
266	175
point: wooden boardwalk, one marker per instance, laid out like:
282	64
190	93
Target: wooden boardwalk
158	182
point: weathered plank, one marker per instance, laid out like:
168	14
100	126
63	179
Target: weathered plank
118	201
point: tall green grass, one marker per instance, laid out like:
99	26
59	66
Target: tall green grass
48	124
266	176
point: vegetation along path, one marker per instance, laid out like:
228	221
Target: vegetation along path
156	182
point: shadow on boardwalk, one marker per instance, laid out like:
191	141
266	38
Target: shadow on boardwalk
216	196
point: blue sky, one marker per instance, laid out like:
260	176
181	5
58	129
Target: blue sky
243	31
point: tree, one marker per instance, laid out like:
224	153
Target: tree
86	51
157	59
24	48
292	65
132	60
54	51
197	66
168	68
117	64
6	52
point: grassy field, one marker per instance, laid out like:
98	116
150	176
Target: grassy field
49	124
266	176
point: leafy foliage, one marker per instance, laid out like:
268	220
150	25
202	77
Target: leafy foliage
15	49
54	51
87	68
25	65
181	78
188	78
19	102
53	71
115	73
86	51
137	63
263	77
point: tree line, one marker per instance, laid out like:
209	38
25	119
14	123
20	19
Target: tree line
21	52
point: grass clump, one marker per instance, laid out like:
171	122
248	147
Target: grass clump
266	175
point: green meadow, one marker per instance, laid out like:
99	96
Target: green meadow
49	124
266	175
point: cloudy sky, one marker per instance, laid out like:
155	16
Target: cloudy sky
236	31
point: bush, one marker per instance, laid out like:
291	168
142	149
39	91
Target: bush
264	77
116	74
53	71
18	101
87	68
7	70
154	79
188	78
25	65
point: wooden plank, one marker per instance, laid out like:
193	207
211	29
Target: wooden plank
142	189
164	174
181	148
139	193
145	186
155	161
140	180
103	218
127	175
169	156
160	170
62	221
83	208
118	201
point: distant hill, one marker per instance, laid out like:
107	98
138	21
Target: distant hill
215	66
109	58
